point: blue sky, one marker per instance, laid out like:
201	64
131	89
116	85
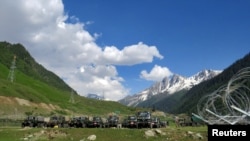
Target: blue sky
191	35
87	39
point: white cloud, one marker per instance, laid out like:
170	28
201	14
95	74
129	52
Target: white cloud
67	49
100	79
156	74
130	55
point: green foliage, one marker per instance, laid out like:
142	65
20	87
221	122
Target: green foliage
26	64
29	113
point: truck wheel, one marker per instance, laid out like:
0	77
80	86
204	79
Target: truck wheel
83	125
65	125
31	125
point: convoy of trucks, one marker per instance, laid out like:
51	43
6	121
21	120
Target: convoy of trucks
142	119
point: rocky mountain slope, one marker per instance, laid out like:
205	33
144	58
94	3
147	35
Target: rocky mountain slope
170	85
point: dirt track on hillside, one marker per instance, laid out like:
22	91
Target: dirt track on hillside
13	105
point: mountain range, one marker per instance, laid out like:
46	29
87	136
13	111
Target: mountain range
169	85
178	94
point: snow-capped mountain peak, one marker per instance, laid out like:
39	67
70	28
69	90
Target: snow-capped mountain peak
170	85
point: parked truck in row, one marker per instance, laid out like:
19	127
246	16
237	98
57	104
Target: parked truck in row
130	122
112	121
144	119
57	121
34	121
79	122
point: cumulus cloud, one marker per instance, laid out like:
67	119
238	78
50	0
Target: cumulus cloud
100	79
130	55
156	74
69	50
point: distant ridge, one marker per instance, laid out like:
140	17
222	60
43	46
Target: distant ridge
170	85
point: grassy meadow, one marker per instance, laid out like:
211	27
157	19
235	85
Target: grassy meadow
170	133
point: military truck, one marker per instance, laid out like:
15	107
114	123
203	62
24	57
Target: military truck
130	122
112	121
144	119
96	122
164	123
155	122
57	121
188	121
79	122
34	121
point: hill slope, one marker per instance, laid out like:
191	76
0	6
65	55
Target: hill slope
36	90
188	102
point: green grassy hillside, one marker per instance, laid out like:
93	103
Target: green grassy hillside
36	90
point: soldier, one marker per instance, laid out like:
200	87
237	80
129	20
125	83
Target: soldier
177	124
